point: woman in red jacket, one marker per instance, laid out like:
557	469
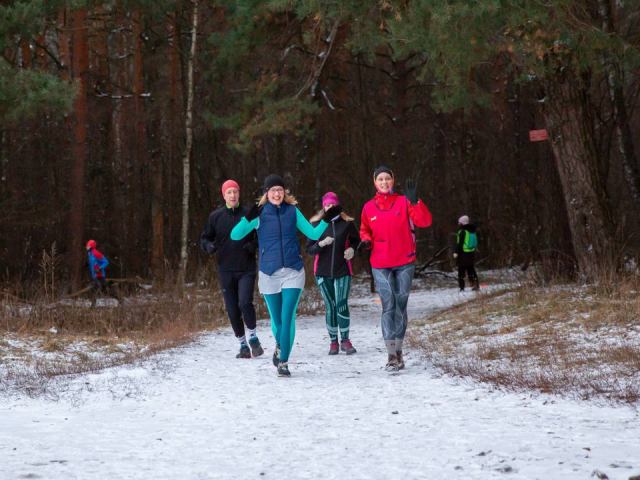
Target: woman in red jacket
388	230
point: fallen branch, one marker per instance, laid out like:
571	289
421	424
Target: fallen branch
431	260
436	272
110	282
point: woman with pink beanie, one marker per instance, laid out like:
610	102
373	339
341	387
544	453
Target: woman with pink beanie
332	268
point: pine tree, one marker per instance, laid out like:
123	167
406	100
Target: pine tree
26	91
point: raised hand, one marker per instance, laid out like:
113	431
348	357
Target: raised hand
254	212
332	213
411	191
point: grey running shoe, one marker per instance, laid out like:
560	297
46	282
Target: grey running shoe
347	347
276	356
283	369
256	348
244	352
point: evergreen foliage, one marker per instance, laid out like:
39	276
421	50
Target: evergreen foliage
25	93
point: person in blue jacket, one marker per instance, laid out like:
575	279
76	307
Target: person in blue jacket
97	264
281	276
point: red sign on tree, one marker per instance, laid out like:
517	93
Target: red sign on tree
538	135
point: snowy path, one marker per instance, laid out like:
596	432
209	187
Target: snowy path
337	417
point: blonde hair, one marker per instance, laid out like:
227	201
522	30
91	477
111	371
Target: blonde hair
318	216
290	199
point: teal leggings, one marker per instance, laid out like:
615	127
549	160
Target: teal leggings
282	308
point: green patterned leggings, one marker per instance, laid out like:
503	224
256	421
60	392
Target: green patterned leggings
335	292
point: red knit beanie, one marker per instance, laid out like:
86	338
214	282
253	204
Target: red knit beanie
229	184
92	244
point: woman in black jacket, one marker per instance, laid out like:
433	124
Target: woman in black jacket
332	268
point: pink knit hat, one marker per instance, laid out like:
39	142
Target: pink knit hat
229	184
330	198
463	220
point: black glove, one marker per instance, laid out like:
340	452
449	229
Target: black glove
411	191
254	212
332	213
249	247
364	245
211	248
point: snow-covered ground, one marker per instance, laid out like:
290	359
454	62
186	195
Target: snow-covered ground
214	416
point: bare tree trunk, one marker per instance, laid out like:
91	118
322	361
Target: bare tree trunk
63	46
27	56
170	118
615	79
174	121
41	55
189	143
588	208
141	157
119	118
80	63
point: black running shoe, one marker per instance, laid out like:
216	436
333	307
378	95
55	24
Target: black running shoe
276	355
244	352
283	369
256	348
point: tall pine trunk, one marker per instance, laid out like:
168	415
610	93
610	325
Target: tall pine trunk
169	113
615	80
186	169
118	54
141	145
588	208
80	63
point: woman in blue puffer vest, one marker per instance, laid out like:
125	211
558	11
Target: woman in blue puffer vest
276	220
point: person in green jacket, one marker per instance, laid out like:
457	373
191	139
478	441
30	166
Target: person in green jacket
466	245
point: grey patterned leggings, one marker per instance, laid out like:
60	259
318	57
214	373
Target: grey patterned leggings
394	285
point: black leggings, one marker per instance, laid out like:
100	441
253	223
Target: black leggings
471	272
237	290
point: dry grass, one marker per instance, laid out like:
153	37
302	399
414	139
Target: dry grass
579	342
66	376
44	341
45	345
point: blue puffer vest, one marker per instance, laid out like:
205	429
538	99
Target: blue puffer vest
278	238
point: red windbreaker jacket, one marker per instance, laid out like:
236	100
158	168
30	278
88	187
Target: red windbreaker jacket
389	222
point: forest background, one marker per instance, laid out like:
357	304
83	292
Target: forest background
109	109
